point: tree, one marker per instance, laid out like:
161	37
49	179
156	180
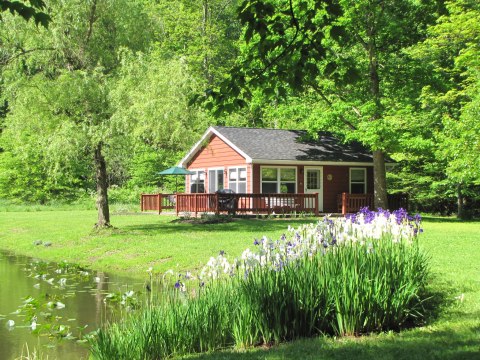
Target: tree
452	52
348	54
75	75
151	102
202	31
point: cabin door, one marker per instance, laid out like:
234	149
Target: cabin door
313	183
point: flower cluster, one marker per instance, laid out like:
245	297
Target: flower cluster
363	228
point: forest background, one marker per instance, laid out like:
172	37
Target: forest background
115	91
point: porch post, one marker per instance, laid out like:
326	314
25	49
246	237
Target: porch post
344	203
316	204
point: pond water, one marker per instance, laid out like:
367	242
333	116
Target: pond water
50	307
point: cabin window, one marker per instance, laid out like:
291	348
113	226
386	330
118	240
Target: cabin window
237	180
358	181
215	180
197	181
279	180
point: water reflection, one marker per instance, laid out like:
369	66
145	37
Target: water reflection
35	294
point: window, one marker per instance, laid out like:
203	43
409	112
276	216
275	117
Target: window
313	179
197	182
279	180
358	181
237	180
215	180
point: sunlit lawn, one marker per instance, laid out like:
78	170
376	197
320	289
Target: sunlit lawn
136	243
141	241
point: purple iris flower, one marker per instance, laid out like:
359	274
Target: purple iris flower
222	252
177	284
256	242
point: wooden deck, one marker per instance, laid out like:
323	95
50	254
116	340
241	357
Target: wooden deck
252	204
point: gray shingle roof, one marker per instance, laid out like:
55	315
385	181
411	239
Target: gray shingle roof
274	144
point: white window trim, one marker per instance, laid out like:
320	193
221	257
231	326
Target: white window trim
190	179
208	176
278	177
350	179
236	180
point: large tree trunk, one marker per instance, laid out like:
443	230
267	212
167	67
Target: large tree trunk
379	180
102	196
379	172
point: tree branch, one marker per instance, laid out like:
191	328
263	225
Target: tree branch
329	103
91	20
21	53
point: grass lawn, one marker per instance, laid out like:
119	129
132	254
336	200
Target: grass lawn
136	243
141	241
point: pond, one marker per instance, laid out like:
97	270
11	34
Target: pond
51	307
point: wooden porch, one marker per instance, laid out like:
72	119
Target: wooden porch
252	204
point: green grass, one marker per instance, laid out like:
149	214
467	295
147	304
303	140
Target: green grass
141	241
137	242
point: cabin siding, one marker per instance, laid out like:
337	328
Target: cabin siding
218	154
331	188
370	180
340	183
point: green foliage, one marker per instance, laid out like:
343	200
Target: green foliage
34	10
439	154
151	100
349	290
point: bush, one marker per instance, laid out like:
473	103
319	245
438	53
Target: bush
125	195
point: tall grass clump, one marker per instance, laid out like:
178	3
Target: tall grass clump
178	324
348	276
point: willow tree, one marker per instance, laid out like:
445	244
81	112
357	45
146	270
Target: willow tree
73	65
348	54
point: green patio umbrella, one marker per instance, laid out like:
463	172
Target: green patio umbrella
176	170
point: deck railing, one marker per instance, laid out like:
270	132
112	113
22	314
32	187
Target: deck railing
352	203
261	203
157	202
247	203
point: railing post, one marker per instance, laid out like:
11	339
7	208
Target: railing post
316	205
176	204
195	203
268	204
159	204
141	202
344	203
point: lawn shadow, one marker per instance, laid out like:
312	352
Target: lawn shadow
410	345
446	219
238	225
